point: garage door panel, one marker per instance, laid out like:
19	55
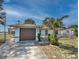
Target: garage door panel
27	34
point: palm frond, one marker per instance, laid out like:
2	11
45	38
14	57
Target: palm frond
66	16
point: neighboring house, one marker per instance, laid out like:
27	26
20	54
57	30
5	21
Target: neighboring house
25	32
65	32
11	30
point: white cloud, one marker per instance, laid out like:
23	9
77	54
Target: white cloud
22	14
13	12
36	10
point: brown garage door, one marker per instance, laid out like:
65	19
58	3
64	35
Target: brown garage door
27	34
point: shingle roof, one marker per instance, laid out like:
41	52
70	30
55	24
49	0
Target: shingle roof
24	26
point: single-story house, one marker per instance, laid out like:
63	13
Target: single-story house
25	32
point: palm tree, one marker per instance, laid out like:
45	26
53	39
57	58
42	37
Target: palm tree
47	21
54	24
29	21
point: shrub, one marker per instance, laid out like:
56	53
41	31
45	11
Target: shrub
54	39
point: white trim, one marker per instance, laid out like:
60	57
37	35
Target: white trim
17	35
37	31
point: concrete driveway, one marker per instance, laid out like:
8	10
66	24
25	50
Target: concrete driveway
22	50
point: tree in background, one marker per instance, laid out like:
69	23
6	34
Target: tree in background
29	21
54	24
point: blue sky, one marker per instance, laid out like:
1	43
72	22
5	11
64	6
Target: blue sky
39	9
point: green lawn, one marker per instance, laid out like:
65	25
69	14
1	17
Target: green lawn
2	37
